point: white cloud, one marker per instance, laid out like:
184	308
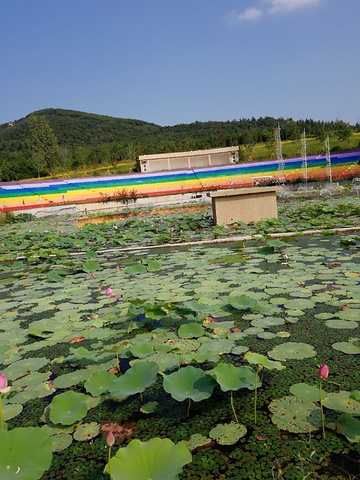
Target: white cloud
250	14
278	6
270	7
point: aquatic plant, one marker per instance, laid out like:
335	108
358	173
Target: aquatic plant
110	440
233	378
156	459
323	374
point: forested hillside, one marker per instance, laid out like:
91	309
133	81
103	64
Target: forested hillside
84	142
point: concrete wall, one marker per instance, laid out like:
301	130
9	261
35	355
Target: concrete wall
244	205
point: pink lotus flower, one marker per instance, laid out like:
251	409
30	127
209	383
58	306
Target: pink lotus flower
109	292
323	372
110	439
4	388
93	275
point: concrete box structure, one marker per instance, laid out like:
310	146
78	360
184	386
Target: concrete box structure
196	159
244	204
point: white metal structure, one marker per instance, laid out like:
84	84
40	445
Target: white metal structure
279	155
304	157
328	158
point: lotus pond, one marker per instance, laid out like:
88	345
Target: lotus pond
202	361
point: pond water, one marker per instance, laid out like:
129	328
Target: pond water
297	303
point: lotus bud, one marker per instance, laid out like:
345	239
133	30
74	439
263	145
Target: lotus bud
109	292
110	439
323	372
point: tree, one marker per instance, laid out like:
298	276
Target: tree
343	130
42	144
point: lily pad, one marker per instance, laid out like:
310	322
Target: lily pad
135	380
349	426
228	434
197	441
295	415
68	408
149	407
233	378
191	330
342	402
26	453
292	351
346	347
258	359
341	324
189	382
99	383
61	441
157	459
86	432
306	392
11	410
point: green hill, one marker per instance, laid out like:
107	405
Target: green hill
97	144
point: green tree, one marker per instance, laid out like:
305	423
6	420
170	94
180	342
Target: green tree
343	130
42	144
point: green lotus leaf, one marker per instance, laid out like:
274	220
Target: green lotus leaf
153	266
90	266
86	431
61	441
68	408
135	380
191	330
349	314
300	303
239	349
99	383
26	453
341	324
197	440
233	378
292	351
228	434
342	402
267	322
349	427
266	335
211	348
156	459
35	391
258	359
195	306
166	361
306	392
32	379
355	395
70	379
346	347
189	382
137	268
22	367
142	350
295	415
149	407
11	410
54	277
244	302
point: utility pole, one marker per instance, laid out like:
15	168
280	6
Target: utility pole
328	158
304	157
279	155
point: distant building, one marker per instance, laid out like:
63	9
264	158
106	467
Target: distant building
182	160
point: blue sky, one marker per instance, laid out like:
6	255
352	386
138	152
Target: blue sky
180	61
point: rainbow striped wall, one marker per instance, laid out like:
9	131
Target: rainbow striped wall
26	194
